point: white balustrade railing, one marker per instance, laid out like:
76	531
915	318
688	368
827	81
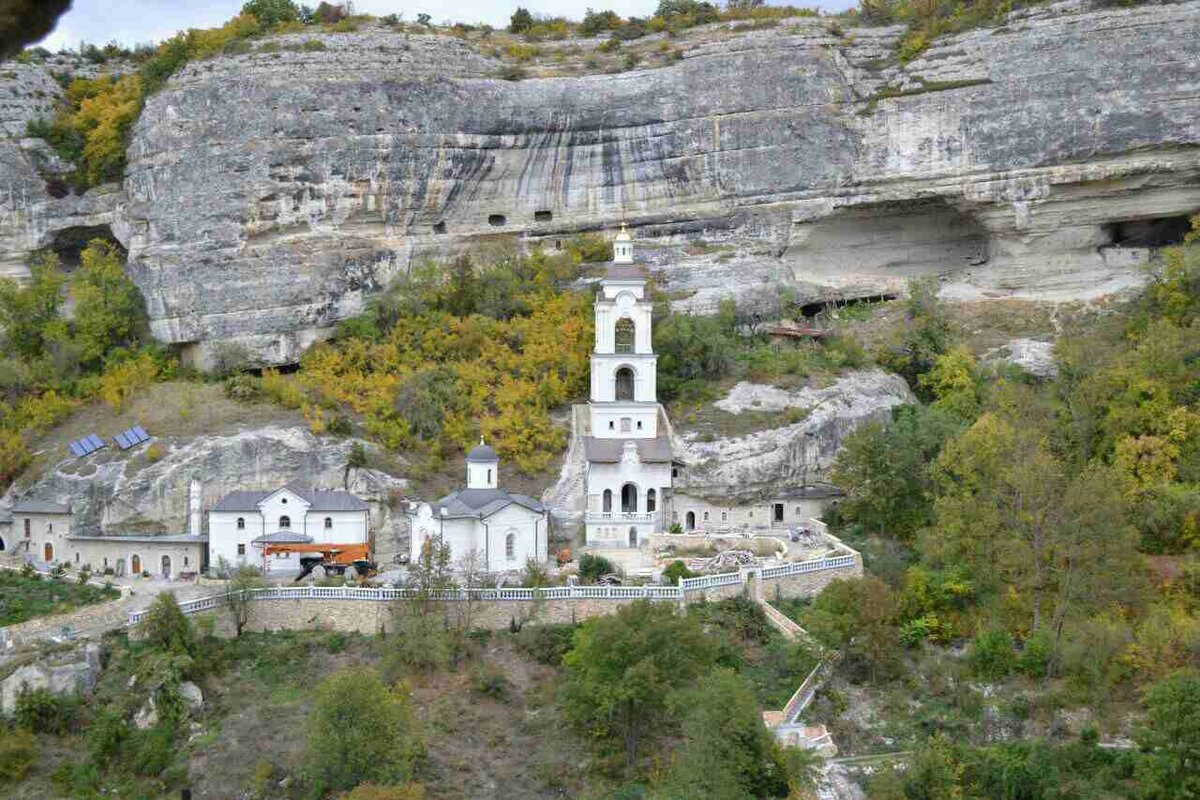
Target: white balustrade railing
617	517
385	595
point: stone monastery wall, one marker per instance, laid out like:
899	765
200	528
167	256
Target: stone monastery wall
370	611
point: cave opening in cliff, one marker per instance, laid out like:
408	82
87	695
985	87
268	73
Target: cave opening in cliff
497	220
814	308
886	241
543	216
1153	232
439	227
69	243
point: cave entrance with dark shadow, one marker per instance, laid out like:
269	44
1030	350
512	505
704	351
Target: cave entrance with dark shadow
1154	232
69	243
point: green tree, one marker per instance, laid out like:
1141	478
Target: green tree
29	314
886	470
1169	767
165	628
520	21
360	731
926	334
858	617
726	753
953	383
270	13
623	667
109	309
242	583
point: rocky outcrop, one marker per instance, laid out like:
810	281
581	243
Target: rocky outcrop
268	194
117	493
73	673
1034	356
799	454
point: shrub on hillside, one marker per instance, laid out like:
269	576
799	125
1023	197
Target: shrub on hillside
18	752
592	568
360	731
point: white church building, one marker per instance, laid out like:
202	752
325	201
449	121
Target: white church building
242	523
504	530
627	444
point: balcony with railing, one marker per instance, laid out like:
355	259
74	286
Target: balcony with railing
619	517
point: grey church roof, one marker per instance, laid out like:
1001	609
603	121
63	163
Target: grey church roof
482	452
282	537
40	507
482	503
624	272
317	499
609	451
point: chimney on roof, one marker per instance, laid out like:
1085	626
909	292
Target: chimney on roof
194	518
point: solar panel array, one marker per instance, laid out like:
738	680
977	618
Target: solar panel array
88	444
131	438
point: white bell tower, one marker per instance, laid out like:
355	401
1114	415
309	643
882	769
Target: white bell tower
628	483
624	367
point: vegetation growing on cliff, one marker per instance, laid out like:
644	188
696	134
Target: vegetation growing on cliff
1049	524
447	355
50	360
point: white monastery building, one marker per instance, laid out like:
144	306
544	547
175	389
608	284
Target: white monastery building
242	523
504	530
627	444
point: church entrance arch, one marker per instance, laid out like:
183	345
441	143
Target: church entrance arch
629	498
135	565
689	521
624	387
166	566
48	552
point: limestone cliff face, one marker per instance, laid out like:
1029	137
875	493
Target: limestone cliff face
759	464
268	194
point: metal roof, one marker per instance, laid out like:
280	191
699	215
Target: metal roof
40	507
624	272
148	538
482	452
282	537
609	451
317	499
482	503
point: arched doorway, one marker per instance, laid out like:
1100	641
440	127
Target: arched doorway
651	501
135	565
624	389
166	566
689	521
606	506
119	571
629	499
48	552
633	542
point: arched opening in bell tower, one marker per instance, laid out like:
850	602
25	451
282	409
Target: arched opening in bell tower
623	335
624	388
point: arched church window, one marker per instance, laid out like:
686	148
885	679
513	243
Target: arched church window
625	383
623	335
651	499
607	507
510	546
241	523
285	522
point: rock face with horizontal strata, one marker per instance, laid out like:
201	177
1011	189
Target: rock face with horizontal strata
268	194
